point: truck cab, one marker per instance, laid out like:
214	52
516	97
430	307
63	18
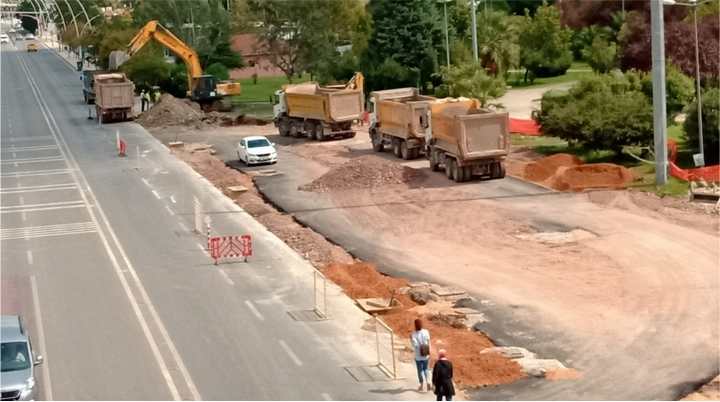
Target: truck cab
279	105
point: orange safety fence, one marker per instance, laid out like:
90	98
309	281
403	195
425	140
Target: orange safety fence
524	127
708	173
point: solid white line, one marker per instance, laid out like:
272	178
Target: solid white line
54	130
326	396
290	353
36	190
43	209
170	211
13	148
47	385
47	187
22	206
47	172
32	160
226	277
29	257
155	193
253	309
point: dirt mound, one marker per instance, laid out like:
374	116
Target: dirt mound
541	169
471	368
171	111
367	171
594	175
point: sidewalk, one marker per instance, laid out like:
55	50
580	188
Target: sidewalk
50	42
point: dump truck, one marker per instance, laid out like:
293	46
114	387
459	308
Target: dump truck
467	140
319	112
399	119
114	97
88	79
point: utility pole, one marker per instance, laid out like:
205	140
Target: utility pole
658	81
697	83
447	35
473	13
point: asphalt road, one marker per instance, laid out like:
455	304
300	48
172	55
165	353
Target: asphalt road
99	257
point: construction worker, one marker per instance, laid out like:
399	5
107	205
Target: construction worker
144	100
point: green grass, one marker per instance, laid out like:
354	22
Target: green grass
644	172
264	89
515	78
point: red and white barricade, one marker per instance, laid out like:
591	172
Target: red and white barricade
230	247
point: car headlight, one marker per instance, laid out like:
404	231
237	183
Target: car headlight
29	385
252	157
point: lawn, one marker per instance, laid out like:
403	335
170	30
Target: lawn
577	71
644	172
264	89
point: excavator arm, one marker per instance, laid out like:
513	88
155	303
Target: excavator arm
153	30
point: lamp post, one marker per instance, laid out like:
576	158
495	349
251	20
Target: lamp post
658	85
447	35
473	13
694	4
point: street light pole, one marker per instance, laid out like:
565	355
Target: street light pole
658	81
473	13
447	35
697	83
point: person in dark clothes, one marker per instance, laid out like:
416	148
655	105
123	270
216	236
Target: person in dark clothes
442	377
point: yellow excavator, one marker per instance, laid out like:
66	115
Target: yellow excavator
205	89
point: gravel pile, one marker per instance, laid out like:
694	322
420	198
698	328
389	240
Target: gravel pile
367	171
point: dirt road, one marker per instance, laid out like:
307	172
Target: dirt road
624	295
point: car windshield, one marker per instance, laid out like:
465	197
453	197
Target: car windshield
258	143
14	356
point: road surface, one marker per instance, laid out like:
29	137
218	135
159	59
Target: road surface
99	257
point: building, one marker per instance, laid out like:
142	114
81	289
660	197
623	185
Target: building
257	59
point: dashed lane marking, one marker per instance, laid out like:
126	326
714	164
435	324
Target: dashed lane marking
290	353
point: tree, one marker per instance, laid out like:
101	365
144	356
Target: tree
148	68
497	36
29	23
711	125
601	55
471	80
544	44
407	32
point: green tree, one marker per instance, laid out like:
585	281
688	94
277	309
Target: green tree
711	125
147	68
218	70
471	80
408	32
497	35
29	23
544	44
601	55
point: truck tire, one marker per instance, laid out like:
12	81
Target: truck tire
308	128
319	132
496	171
404	151
457	172
396	148
283	127
376	139
467	173
502	170
434	163
449	162
293	129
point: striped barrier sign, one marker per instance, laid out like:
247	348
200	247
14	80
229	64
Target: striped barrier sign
230	247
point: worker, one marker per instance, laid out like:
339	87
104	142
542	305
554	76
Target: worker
144	100
155	94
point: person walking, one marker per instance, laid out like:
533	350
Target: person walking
147	99
420	339
442	377
143	100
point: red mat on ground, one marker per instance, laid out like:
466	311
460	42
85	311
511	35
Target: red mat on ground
524	127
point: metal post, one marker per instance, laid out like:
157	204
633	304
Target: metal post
699	89
473	14
377	341
447	35
392	349
658	77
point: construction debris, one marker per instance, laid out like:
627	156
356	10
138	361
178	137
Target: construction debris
567	172
368	171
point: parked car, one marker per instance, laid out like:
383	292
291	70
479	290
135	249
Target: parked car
17	361
255	150
32	47
4	39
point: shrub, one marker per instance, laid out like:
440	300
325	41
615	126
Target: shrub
601	112
679	90
148	70
544	44
601	55
472	81
218	70
711	125
391	74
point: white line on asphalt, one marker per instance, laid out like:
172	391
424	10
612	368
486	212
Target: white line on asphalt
182	225
37	173
253	309
201	247
155	193
144	180
290	353
13	148
47	385
31	189
170	211
20	207
31	138
172	198
43	209
326	396
32	160
29	257
55	131
226	277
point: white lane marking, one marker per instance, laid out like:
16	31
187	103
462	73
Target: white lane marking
201	247
31	138
326	396
32	160
29	257
34	189
63	229
23	216
37	173
170	211
290	353
253	309
21	206
47	385
13	148
182	226
226	277
172	198
144	180
155	193
77	176
43	209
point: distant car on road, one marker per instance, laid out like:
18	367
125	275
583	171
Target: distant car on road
29	37
4	39
17	361
256	150
32	47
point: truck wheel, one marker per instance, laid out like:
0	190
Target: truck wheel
434	164
377	142
502	170
495	170
449	163
404	151
457	172
319	132
293	130
396	148
467	173
283	127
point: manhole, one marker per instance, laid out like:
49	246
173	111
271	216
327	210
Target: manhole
368	373
306	315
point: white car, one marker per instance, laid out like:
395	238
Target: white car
29	37
4	39
255	150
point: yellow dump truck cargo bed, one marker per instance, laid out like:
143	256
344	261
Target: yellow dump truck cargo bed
310	101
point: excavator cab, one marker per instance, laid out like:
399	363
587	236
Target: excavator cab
205	89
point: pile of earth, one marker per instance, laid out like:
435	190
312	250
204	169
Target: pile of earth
567	172
368	171
172	111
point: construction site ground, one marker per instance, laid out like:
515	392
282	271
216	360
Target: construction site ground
620	285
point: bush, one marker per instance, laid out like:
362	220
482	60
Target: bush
679	90
218	70
544	44
147	70
601	112
472	81
711	125
176	84
601	55
391	74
